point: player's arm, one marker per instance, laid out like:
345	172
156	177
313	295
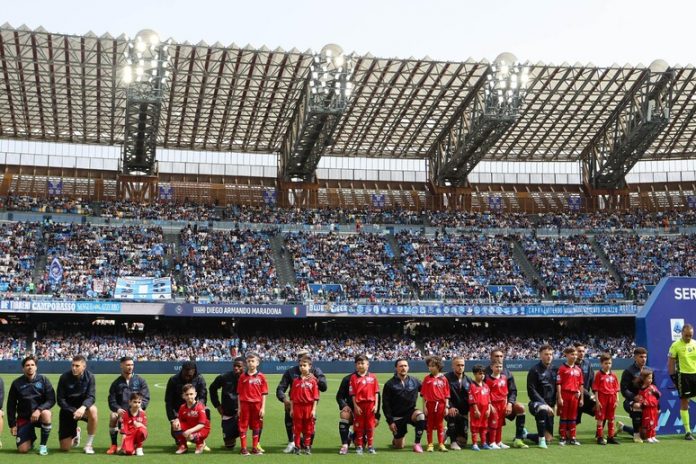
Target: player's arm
386	404
2	394
321	379
283	386
113	391
512	389
627	385
199	425
49	396
91	393
12	407
342	396
145	393
532	382
202	391
169	401
262	412
62	401
214	387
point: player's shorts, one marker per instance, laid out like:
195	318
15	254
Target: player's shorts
402	424
67	426
25	431
460	422
687	385
538	408
230	428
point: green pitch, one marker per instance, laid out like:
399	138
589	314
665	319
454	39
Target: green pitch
160	448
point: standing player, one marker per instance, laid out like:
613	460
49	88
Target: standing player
435	393
252	390
606	387
458	414
345	406
399	400
76	396
514	410
498	384
569	386
29	404
227	382
134	426
541	389
588	375
304	396
480	408
120	392
650	400
682	369
285	382
194	422
364	391
174	394
631	392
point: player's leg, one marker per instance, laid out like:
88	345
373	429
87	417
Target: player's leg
297	425
345	419
256	424
359	428
113	432
243	426
92	417
573	408
288	425
518	414
418	422
492	426
431	423
67	428
370	423
128	444
26	436
399	439
309	429
230	432
45	421
687	390
2	423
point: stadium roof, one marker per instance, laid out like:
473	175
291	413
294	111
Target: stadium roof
65	88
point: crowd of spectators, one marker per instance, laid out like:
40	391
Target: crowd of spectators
570	269
483	220
93	257
220	266
462	267
634	219
363	265
46	205
13	345
20	243
162	211
642	260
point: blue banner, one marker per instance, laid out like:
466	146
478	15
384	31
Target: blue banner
270	197
55	187
143	288
166	192
234	310
574	203
444	310
495	203
50	306
55	272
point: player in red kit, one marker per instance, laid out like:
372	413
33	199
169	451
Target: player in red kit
480	408
435	392
195	425
252	390
651	404
569	394
498	384
304	396
606	387
364	392
133	426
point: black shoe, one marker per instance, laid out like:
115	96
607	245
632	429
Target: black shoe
296	451
689	436
601	441
308	450
613	441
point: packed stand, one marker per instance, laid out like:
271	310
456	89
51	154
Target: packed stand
46	205
20	245
13	345
643	260
162	211
483	220
570	269
355	266
462	267
92	257
635	219
319	217
228	266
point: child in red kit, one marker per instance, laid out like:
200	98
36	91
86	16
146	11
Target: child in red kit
195	425
569	393
498	384
252	390
651	405
480	408
364	391
134	427
606	387
435	392
304	396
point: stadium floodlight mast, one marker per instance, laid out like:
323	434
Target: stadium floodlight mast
144	75
330	85
506	87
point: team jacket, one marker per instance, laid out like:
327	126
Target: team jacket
294	373
121	390
172	396
588	373
27	395
226	382
511	385
629	389
76	392
459	392
343	393
541	384
399	398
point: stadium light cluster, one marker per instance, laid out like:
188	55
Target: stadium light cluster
506	86
147	60
330	82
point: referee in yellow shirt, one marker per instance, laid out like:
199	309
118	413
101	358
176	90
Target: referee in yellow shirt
682	369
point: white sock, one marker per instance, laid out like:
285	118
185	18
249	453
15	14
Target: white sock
90	440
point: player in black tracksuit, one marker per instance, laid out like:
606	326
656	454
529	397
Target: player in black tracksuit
227	404
541	389
173	398
630	389
345	406
29	403
285	382
458	415
588	405
399	399
120	392
76	393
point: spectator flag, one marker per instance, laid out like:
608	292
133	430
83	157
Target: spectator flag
55	271
691	201
166	192
55	187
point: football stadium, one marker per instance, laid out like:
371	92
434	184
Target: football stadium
235	251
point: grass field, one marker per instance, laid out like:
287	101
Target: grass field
160	444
